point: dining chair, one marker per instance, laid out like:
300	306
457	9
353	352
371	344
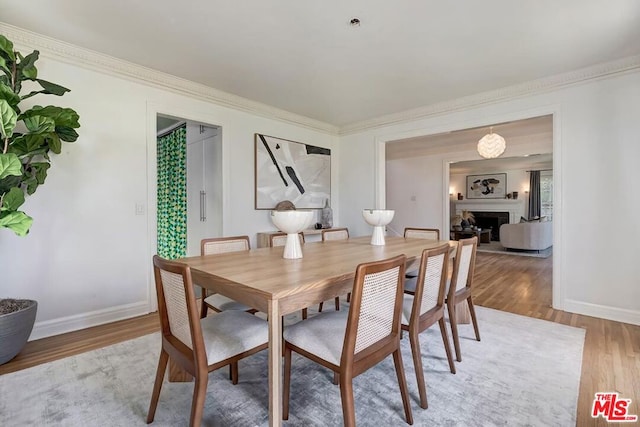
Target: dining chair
218	245
335	234
426	307
351	343
422	233
280	239
218	302
199	346
460	288
418	233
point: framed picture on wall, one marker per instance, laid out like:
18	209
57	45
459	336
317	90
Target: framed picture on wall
289	170
490	186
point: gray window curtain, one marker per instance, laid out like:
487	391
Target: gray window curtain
534	194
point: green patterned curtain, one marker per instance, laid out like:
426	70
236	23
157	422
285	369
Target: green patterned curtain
172	194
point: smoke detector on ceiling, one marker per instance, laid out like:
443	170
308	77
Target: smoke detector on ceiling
355	22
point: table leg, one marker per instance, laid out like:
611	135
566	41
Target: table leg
275	364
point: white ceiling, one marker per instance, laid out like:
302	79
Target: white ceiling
532	162
303	56
536	129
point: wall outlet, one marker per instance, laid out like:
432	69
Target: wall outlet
140	209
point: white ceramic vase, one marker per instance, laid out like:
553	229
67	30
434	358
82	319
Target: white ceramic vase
292	223
378	218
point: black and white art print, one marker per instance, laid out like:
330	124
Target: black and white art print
288	170
491	186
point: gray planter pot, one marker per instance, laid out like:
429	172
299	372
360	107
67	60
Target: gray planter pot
15	329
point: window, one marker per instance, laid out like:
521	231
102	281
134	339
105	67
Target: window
546	194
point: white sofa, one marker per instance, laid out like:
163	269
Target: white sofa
527	235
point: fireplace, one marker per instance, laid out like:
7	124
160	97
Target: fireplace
493	220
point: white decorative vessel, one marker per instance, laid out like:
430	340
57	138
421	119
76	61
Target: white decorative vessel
378	218
292	223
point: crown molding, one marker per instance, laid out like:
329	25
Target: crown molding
96	61
106	64
533	87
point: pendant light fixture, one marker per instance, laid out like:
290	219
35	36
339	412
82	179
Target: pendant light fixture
491	145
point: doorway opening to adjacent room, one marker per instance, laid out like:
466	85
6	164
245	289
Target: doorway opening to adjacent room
189	185
419	179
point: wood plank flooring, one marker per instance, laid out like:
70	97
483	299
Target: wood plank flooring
520	285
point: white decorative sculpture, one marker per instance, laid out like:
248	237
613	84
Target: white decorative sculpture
378	218
292	223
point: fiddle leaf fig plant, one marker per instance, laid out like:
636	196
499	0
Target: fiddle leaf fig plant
27	137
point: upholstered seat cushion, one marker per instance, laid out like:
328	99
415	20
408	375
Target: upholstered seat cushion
232	332
322	335
222	303
407	306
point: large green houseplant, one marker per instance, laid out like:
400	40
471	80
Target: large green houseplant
27	137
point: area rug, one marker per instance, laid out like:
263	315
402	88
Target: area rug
524	372
496	247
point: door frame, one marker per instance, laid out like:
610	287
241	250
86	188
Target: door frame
153	109
558	273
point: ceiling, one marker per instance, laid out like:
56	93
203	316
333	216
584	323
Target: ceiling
536	129
532	162
304	57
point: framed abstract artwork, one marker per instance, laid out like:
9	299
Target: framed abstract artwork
289	170
490	186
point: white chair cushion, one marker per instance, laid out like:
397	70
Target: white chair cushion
232	332
322	335
222	303
407	306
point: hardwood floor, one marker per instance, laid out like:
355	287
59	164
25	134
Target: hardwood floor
611	357
520	285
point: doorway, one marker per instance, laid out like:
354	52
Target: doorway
189	185
430	191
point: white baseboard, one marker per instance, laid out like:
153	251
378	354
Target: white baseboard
602	311
87	320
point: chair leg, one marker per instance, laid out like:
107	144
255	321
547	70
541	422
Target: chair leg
286	387
447	346
157	386
304	314
346	395
454	329
417	363
336	378
233	372
402	382
337	303
320	307
472	310
199	396
204	308
349	297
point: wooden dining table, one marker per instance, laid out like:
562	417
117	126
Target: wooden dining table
263	279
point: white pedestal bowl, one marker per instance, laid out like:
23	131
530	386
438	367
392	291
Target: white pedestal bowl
378	218
292	223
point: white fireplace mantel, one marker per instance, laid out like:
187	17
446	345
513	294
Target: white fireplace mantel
514	207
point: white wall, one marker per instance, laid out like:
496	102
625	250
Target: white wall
517	180
87	259
411	186
596	130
